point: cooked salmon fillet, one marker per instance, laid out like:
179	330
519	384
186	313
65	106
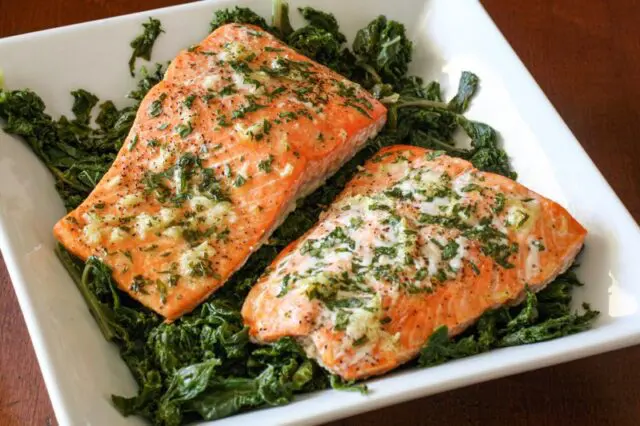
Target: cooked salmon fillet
416	240
220	150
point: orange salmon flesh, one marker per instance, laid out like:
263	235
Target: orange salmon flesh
416	240
220	150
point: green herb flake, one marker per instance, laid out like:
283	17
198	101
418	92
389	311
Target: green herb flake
239	181
143	44
472	187
133	142
450	250
223	235
360	341
243	110
183	130
342	320
202	268
432	155
284	285
155	107
228	90
223	122
161	286
139	284
499	203
266	164
188	101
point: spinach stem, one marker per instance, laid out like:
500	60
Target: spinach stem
61	176
280	18
423	103
81	279
442	144
371	71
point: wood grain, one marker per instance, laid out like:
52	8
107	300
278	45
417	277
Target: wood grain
586	57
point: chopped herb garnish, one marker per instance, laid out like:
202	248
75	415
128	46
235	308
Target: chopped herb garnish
275	92
173	280
360	341
239	181
227	90
223	235
138	284
188	102
265	165
266	126
207	97
284	285
432	155
240	67
134	142
155	107
499	201
450	250
183	130
342	320
202	268
251	106
162	291
222	121
288	115
143	44
472	187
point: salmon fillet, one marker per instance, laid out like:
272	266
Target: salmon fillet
220	150
416	240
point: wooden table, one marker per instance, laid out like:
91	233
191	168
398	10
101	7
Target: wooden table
586	56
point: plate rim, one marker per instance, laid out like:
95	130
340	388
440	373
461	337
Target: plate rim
623	336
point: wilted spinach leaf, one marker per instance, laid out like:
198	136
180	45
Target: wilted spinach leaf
143	44
322	41
383	47
323	20
466	89
238	15
83	103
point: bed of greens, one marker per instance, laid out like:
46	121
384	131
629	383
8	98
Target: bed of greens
203	365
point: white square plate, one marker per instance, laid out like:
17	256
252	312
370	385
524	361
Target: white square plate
81	370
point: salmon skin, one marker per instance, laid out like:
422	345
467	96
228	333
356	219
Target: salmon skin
240	127
416	240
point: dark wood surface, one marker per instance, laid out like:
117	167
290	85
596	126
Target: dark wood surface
586	56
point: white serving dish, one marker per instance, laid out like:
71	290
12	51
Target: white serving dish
81	370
